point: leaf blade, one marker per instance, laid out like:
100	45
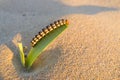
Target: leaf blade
41	45
22	56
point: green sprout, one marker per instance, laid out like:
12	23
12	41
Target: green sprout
42	44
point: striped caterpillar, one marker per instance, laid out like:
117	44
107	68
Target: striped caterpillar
48	29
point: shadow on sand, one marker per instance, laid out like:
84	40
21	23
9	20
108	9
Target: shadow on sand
1	77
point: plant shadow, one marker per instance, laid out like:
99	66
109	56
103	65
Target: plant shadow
47	59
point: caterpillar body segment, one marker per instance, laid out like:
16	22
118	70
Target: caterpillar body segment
49	28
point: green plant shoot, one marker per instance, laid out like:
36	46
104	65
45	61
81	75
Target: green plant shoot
39	47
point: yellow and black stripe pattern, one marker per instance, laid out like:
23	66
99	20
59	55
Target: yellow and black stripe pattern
48	29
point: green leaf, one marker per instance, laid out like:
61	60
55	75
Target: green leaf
22	56
42	44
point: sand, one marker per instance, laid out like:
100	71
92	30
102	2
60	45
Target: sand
88	50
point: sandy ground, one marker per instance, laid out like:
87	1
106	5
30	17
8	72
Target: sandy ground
88	50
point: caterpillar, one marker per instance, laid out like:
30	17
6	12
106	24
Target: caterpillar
48	29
